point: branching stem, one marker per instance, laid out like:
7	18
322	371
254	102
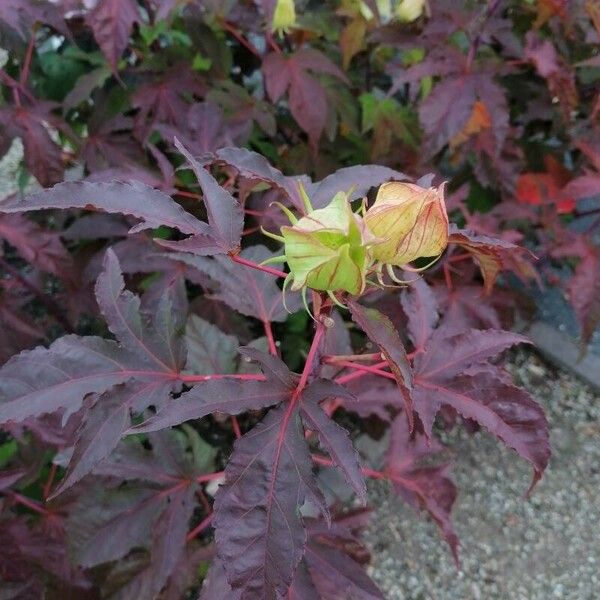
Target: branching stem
248	263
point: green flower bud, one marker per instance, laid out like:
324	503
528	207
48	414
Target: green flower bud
327	249
284	16
410	10
410	220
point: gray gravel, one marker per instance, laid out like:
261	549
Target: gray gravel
545	547
9	166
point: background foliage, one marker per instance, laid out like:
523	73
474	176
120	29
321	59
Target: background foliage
499	98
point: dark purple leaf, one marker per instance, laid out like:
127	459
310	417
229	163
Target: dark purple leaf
448	356
160	347
508	412
42	156
259	532
422	485
216	586
112	22
357	180
44	380
584	293
335	574
421	309
262	298
42	249
61	376
332	437
225	215
381	331
136	199
230	397
209	350
307	97
447	109
103	426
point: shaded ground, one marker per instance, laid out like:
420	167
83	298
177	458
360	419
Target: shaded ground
511	548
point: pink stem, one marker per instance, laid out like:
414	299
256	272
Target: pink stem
248	263
204	524
236	427
27	62
209	477
312	353
336	358
241	39
448	277
358	374
366	368
270	338
29	503
50	481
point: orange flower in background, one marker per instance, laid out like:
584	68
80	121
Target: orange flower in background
479	121
546	187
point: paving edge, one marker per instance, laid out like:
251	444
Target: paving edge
560	349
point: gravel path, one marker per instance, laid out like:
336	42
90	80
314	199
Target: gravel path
511	548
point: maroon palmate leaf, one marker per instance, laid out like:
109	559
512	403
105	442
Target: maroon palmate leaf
356	180
161	347
584	292
494	255
262	298
255	167
422	484
243	109
259	532
153	207
446	111
161	102
111	22
333	437
152	510
307	98
375	397
209	350
454	371
45	380
449	355
558	75
225	216
421	308
104	423
466	306
41	248
110	145
230	397
381	331
216	586
41	154
21	15
441	61
36	554
333	565
204	129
